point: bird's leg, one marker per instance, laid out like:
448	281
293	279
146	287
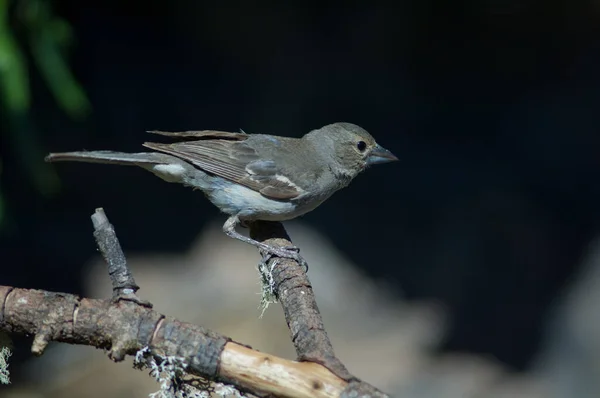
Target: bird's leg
291	252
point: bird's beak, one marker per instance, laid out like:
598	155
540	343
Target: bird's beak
380	155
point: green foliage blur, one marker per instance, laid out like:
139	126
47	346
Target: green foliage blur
34	40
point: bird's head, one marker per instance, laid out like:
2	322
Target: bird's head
350	146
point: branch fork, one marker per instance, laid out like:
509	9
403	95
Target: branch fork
127	325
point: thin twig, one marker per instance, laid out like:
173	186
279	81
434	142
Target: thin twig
123	284
295	293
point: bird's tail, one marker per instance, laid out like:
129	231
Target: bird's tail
111	157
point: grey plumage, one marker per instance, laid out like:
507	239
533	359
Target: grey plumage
255	176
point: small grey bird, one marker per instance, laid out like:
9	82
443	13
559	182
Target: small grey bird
255	176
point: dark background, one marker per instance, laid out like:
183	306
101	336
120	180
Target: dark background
492	107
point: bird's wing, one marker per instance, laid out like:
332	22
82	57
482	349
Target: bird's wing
229	156
204	134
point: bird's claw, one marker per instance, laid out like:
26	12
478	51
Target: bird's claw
294	249
291	252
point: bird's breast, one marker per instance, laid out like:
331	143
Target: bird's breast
248	204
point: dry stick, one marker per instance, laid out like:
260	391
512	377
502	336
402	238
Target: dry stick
126	325
123	284
295	293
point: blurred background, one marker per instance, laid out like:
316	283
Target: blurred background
469	269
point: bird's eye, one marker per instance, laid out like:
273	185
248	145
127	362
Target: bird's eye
361	145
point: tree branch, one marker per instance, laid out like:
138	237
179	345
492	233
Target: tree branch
125	325
123	284
295	293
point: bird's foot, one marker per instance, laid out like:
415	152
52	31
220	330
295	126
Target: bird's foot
291	252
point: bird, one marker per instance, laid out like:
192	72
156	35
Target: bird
253	177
